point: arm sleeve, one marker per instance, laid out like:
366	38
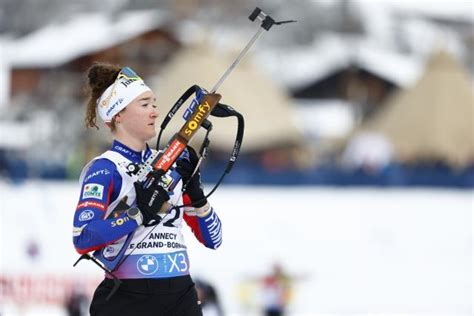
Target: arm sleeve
92	231
207	229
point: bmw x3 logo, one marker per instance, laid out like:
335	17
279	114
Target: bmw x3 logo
147	264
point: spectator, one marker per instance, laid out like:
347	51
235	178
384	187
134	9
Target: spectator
276	292
77	304
209	300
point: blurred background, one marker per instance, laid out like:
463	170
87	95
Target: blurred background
353	193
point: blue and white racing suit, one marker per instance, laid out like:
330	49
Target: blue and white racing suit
160	253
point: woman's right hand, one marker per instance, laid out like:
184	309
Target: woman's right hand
150	201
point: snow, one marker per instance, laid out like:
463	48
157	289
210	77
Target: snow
15	135
453	10
406	24
356	251
296	66
4	75
22	134
324	118
433	37
368	149
402	70
59	43
329	53
390	48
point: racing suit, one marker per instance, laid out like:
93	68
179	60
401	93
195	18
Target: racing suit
157	262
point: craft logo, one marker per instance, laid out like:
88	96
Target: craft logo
96	173
125	151
93	191
147	265
118	102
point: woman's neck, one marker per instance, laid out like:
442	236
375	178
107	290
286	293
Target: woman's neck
132	143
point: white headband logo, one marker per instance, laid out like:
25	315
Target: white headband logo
124	90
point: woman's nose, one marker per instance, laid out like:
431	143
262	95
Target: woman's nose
154	113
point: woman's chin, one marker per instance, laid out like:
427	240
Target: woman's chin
150	135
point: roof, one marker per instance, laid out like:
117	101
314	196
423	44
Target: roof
434	120
297	67
453	10
60	42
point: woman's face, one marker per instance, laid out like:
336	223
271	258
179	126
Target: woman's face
138	118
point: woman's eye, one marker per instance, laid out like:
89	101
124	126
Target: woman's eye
154	106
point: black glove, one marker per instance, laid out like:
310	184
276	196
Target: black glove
149	201
194	189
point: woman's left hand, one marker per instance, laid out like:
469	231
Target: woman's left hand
194	186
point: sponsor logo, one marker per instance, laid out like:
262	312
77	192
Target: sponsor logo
124	150
170	155
132	169
127	82
120	221
118	102
93	191
97	173
109	250
105	102
86	215
197	119
98	205
167	180
147	264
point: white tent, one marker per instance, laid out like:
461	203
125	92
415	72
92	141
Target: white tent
434	120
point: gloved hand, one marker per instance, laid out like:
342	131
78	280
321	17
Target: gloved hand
149	201
194	187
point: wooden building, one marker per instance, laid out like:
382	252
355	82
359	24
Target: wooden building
50	62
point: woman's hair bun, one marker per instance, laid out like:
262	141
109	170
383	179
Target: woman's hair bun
102	75
99	77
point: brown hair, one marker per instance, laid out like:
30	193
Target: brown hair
100	76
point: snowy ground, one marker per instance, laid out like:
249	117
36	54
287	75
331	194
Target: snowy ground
354	251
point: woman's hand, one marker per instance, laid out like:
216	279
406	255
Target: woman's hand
150	202
194	186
